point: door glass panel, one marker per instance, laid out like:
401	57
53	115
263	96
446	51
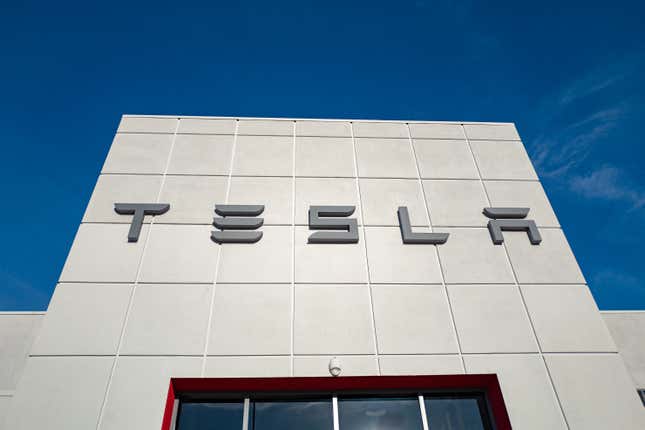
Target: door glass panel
292	415
453	413
210	416
379	414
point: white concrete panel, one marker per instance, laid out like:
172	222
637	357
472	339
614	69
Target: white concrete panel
491	131
436	131
449	159
247	367
268	260
550	262
325	192
83	319
628	330
566	319
529	397
206	126
139	389
380	129
179	253
263	156
274	193
251	320
147	125
323	128
17	333
470	257
5	404
523	194
333	319
413	319
351	365
382	197
111	189
328	262
102	253
385	158
456	203
138	153
596	391
192	199
502	160
167	319
392	261
262	127
325	156
60	393
201	155
491	318
395	365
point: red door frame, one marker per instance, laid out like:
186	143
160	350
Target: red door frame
488	384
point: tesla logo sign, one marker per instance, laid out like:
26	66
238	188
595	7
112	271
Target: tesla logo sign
240	223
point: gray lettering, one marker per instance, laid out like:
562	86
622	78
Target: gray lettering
417	238
318	219
236	217
139	210
511	219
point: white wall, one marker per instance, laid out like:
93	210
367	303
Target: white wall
126	317
628	330
17	333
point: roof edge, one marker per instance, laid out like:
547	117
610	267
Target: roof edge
318	119
22	313
637	311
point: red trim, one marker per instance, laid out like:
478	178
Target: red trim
170	405
487	383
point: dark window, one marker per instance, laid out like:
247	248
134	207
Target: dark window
642	394
443	412
291	415
456	413
380	414
210	416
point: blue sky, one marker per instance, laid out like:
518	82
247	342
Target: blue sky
569	75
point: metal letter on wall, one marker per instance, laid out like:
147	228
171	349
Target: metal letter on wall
237	217
417	238
318	220
511	219
139	210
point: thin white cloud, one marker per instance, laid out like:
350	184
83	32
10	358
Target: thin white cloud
618	283
610	277
571	130
14	290
611	280
556	154
589	85
611	114
608	183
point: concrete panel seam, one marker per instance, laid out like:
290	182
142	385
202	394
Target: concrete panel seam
219	256
322	283
394	354
430	225
524	306
241	175
367	262
134	287
292	290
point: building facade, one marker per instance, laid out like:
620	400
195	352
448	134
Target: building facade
421	260
627	328
17	333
